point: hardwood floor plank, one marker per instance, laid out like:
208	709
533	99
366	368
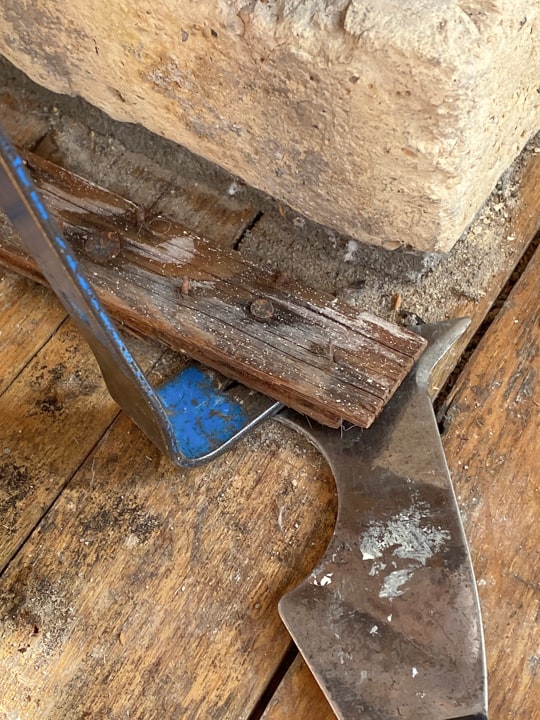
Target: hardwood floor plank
151	592
29	316
51	416
142	578
491	442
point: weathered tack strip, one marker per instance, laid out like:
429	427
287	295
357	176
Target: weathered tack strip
311	351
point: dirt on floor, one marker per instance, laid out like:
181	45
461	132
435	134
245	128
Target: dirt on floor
393	284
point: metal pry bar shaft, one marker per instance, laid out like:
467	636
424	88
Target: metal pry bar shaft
188	418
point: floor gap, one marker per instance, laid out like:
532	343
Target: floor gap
444	398
274	682
248	228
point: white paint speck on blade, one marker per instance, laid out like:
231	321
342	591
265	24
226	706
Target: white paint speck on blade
368	554
325	579
391	587
343	657
374	630
414	672
376	568
407	535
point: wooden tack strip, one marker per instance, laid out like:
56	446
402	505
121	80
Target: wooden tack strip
308	350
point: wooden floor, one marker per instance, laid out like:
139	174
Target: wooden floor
131	589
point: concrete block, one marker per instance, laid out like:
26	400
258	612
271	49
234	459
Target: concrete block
389	120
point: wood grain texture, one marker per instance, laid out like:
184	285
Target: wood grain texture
492	440
217	209
29	316
51	417
150	592
146	591
491	443
313	352
180	194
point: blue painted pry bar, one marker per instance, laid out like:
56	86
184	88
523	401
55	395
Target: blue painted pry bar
203	417
189	418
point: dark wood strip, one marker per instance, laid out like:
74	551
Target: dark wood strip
304	348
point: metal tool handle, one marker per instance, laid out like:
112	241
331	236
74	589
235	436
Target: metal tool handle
189	419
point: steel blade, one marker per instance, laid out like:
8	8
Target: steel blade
389	620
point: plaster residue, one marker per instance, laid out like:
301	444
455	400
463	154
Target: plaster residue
408	535
325	579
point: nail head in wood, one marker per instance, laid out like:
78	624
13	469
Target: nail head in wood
262	309
103	245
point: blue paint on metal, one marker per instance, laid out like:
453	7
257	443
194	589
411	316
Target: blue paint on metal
203	418
23	175
60	242
40	207
194	415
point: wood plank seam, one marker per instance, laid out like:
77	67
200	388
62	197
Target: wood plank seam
29	358
443	400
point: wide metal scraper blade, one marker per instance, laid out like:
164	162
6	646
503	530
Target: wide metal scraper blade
389	620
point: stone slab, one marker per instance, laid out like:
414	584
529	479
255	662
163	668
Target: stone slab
390	121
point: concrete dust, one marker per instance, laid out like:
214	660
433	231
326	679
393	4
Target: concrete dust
430	286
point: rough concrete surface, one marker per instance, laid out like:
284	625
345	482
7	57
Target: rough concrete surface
390	121
140	166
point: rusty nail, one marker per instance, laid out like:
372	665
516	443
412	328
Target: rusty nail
186	284
103	245
262	309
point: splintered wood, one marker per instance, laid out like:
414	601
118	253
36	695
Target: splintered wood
304	348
